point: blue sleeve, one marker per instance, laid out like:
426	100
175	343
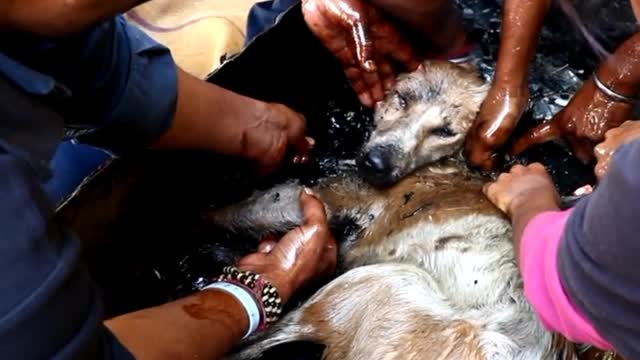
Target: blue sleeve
49	308
599	254
112	77
140	106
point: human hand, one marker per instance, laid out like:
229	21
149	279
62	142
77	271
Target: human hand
614	138
267	139
498	117
363	41
304	254
523	187
583	123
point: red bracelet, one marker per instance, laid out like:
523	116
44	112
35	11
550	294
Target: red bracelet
265	294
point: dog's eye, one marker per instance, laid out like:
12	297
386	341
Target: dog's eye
402	102
443	131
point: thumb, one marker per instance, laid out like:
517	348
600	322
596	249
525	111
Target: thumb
312	208
353	16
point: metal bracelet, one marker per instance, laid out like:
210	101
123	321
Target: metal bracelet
611	94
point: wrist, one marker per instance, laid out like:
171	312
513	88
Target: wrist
245	304
525	207
533	203
223	307
620	72
279	280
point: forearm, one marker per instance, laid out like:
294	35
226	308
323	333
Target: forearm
209	117
58	17
521	25
621	72
438	21
521	215
205	325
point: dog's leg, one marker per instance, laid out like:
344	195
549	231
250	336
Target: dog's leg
289	329
277	210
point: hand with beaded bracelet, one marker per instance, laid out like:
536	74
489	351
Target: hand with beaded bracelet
271	275
245	298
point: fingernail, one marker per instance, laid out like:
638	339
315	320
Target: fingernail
296	159
308	191
304	159
311	141
370	66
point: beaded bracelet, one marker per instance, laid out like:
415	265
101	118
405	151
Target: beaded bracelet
264	293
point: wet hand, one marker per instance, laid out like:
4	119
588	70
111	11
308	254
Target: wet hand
272	134
614	138
305	254
363	41
521	188
582	124
498	117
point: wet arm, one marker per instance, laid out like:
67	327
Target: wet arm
621	72
203	326
521	25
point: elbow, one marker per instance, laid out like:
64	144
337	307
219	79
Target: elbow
50	18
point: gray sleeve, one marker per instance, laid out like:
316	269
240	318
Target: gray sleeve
598	259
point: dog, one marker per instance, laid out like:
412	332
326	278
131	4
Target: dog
430	271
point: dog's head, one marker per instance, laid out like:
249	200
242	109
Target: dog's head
423	118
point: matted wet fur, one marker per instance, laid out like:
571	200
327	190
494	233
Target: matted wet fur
431	272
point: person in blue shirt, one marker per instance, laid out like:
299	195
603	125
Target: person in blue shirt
76	67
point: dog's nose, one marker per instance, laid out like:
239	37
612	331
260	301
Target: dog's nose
376	161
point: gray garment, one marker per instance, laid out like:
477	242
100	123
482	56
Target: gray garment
598	256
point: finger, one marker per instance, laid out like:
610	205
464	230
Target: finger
359	86
601	151
387	75
312	209
372	80
584	190
296	130
265	247
517	169
390	42
537	167
582	149
364	47
627	123
485	188
601	168
353	16
538	135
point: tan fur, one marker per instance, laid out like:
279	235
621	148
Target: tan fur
433	274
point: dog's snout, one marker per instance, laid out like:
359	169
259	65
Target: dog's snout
376	161
376	165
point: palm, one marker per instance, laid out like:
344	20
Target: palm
363	41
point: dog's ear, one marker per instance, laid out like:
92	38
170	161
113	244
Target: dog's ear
468	65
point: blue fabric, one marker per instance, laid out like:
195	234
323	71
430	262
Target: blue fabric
264	15
598	255
71	164
112	79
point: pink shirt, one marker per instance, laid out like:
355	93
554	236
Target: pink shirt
542	286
